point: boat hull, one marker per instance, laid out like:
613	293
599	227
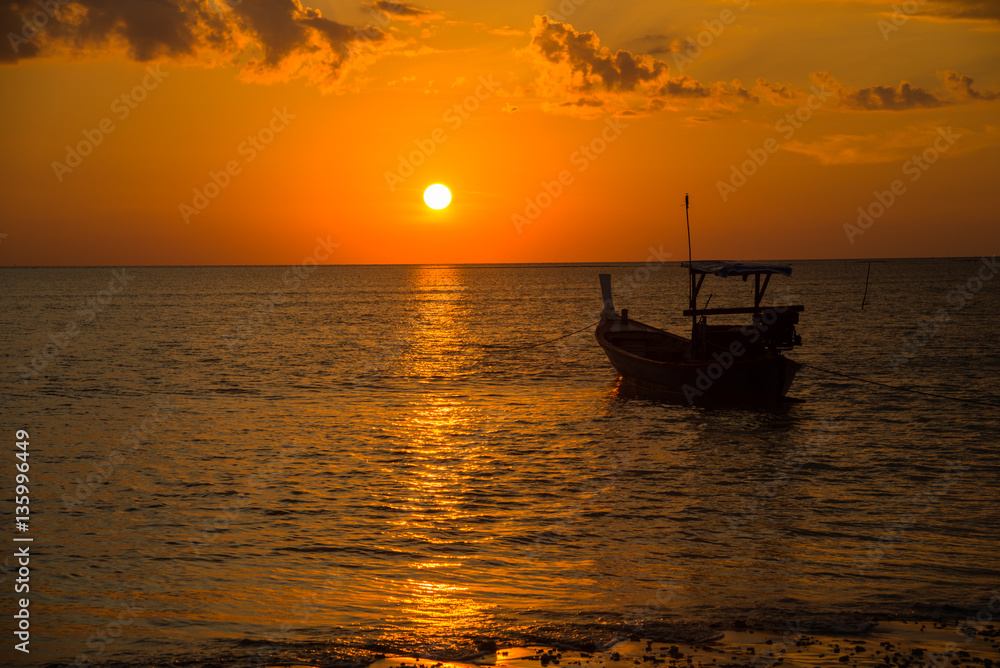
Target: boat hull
724	379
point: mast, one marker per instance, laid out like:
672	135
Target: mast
867	276
691	295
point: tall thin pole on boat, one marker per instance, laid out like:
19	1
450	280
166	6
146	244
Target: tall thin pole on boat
867	276
691	300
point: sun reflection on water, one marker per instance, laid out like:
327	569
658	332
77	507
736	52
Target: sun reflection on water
436	606
441	453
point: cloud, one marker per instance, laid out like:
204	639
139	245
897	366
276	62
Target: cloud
506	31
879	98
589	65
272	39
960	86
897	146
779	94
848	149
654	44
958	89
988	10
573	66
400	11
575	74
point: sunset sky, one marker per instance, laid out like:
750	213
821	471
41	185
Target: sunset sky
237	132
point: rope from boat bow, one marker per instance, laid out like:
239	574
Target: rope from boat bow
900	388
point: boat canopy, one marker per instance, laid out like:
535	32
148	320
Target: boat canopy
725	269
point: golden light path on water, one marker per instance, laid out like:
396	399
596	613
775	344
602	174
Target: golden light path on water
440	468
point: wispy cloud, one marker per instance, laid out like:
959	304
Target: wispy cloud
401	11
896	146
958	89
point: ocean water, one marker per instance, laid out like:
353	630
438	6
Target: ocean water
242	466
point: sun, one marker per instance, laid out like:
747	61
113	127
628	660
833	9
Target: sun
437	196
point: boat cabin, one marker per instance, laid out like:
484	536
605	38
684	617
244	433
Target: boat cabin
773	328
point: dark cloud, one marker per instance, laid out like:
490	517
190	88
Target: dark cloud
404	12
278	25
582	102
574	66
19	40
399	8
987	10
961	86
903	97
684	86
656	44
779	94
279	37
958	89
899	98
593	65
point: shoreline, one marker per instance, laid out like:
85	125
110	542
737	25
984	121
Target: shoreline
887	644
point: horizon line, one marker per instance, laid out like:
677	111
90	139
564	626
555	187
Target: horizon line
482	264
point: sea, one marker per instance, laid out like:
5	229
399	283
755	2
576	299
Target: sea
248	466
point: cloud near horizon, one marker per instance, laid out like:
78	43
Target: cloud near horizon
905	96
897	146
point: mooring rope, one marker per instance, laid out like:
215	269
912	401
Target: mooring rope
899	388
582	329
860	379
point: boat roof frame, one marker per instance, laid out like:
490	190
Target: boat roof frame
744	269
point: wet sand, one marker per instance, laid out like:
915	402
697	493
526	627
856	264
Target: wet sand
893	644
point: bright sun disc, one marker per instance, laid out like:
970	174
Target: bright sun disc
437	196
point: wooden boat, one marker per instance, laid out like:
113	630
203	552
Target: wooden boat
718	364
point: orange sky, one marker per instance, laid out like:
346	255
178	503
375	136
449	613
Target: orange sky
567	131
